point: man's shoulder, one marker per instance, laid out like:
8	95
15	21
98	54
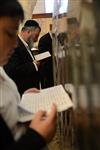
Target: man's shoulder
20	47
45	36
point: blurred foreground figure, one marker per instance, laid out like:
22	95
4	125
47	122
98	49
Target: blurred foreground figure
37	135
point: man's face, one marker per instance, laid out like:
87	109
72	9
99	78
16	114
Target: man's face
35	34
8	38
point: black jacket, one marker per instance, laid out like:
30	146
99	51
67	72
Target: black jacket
30	141
45	44
21	69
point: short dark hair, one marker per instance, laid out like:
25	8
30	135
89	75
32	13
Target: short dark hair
11	8
31	23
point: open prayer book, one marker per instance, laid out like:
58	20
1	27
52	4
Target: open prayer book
33	102
41	56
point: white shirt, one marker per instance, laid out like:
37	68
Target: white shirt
9	99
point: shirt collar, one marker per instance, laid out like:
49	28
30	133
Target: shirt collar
2	74
24	42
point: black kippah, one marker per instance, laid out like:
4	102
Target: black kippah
31	23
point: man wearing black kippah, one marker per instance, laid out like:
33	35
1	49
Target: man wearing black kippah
31	23
22	67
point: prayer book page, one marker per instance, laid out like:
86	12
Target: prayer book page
33	102
41	56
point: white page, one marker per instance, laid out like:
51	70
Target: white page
41	56
33	102
34	49
24	115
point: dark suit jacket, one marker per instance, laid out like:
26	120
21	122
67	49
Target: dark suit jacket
21	69
45	44
30	141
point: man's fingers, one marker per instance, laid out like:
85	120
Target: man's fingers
39	115
53	113
34	90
